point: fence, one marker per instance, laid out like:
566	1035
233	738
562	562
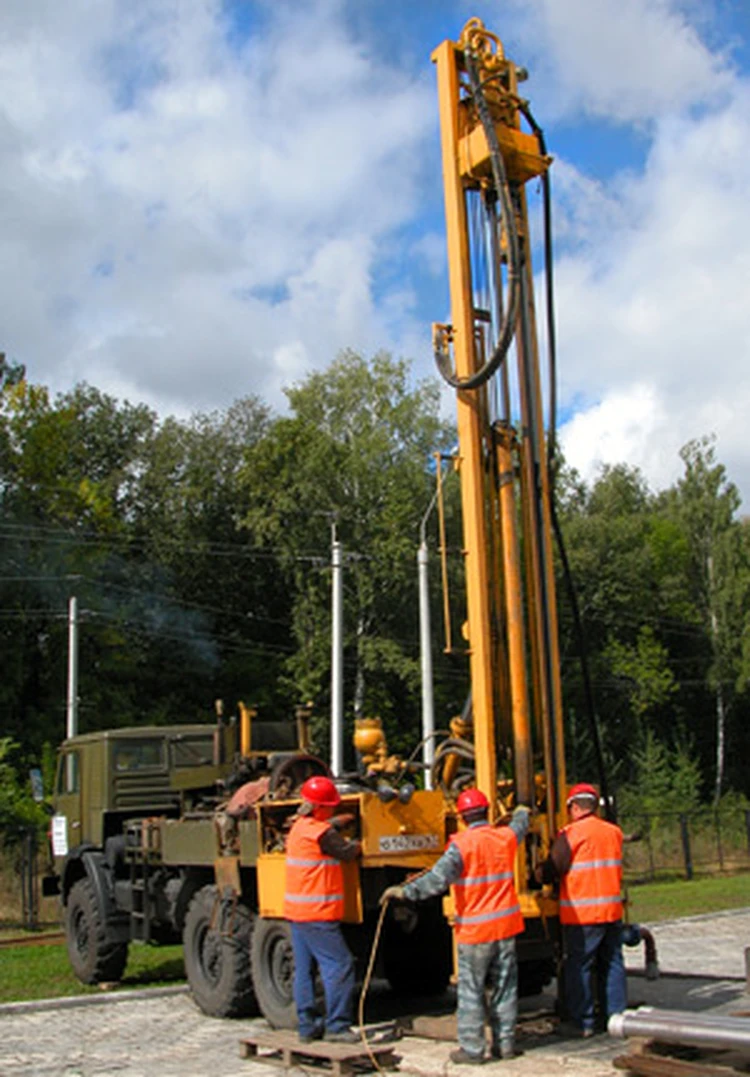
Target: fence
19	883
682	844
686	843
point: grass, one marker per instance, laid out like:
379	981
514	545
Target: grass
34	972
650	902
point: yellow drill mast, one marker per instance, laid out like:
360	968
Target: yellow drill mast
489	354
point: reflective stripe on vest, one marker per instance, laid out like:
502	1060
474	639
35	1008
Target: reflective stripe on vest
485	896
590	890
314	882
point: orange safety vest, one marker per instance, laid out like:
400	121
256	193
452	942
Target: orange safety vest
314	881
486	900
590	890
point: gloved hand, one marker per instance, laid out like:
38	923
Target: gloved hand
340	821
523	807
392	893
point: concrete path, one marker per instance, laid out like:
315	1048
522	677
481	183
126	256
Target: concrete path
162	1034
710	945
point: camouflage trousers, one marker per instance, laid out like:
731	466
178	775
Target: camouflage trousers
487	991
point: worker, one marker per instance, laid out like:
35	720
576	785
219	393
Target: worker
478	863
314	905
586	858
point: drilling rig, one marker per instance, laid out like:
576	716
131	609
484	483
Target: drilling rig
491	149
144	843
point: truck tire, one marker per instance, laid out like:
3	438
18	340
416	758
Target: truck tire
217	963
93	956
273	972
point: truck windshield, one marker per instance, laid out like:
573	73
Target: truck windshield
138	755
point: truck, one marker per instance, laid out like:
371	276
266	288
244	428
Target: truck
146	845
146	848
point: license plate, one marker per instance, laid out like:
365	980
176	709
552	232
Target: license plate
408	843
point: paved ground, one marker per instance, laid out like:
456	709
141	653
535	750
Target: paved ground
164	1035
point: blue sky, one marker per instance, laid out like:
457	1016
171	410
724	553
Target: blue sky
209	199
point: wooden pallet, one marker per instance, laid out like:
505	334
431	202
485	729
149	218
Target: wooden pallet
647	1062
284	1049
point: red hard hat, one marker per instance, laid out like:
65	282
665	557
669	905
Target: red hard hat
320	790
583	789
472	800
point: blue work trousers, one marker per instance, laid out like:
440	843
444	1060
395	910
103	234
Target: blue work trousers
321	943
594	950
487	990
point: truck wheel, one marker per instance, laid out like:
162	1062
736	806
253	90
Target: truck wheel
217	960
273	972
93	957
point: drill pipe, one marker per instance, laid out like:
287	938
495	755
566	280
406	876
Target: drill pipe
688	1029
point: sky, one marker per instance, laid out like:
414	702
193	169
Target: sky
206	199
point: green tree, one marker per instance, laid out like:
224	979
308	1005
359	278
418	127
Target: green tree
645	670
354	452
18	810
705	503
608	531
665	781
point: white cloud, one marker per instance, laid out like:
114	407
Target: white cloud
185	218
659	299
623	427
652	271
175	200
627	60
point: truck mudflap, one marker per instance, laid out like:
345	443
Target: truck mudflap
99	873
51	886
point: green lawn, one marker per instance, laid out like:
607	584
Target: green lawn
666	900
31	972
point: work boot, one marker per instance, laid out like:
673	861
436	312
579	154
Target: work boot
573	1032
463	1058
345	1035
505	1050
310	1037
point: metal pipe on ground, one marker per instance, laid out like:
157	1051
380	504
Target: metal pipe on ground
695	1017
687	1029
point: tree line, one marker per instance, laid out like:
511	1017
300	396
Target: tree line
199	554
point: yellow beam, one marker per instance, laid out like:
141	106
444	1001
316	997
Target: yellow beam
472	422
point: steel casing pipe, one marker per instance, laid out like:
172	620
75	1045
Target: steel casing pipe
688	1029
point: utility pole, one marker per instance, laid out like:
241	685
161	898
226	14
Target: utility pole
425	648
337	656
71	710
425	653
71	725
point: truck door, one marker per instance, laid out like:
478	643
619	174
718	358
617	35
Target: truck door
66	822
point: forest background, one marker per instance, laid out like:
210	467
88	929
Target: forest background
199	553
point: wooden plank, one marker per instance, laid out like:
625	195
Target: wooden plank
646	1065
441	1027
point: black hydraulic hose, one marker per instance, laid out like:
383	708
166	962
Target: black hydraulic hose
505	334
551	449
549	288
584	660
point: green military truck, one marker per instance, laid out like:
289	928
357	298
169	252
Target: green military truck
143	850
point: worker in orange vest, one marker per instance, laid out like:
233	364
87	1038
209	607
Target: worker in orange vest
314	905
586	858
479	863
